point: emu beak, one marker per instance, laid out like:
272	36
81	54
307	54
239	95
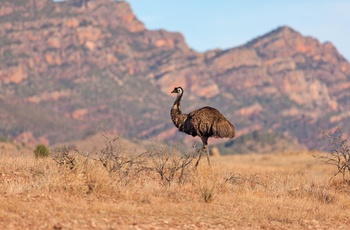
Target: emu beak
174	91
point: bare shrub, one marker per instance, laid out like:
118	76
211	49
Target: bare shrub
339	153
71	171
116	159
169	163
65	155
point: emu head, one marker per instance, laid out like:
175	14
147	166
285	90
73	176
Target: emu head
178	90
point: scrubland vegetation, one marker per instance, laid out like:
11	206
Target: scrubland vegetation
112	187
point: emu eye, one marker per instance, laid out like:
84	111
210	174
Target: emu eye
179	90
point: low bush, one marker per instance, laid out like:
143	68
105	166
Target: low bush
41	151
170	164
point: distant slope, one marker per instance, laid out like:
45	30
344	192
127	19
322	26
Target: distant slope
259	142
65	69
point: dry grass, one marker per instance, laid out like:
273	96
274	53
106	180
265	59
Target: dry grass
280	191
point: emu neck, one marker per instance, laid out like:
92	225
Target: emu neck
176	105
177	116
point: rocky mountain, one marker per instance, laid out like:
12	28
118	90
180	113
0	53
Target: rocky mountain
67	69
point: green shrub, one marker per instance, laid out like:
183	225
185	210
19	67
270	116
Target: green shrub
41	151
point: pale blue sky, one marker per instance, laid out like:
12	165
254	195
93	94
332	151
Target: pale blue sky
228	23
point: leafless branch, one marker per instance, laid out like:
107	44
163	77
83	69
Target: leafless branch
170	164
339	154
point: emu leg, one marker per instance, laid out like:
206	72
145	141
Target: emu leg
208	154
205	146
200	155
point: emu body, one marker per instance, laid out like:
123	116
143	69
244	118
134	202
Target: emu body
205	122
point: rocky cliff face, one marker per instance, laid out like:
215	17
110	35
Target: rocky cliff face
66	70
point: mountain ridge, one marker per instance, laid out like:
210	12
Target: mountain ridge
80	66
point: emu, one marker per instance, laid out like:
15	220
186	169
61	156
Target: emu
205	122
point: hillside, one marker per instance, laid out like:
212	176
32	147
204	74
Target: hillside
66	69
